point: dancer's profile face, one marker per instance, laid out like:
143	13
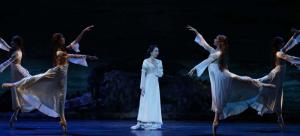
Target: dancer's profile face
13	44
62	41
155	52
216	42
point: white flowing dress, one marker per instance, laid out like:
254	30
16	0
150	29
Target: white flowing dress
18	72
149	114
47	95
231	94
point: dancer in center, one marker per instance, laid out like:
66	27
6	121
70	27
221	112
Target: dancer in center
48	95
231	94
149	115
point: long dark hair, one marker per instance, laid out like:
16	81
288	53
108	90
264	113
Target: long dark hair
56	37
224	51
17	43
277	44
150	50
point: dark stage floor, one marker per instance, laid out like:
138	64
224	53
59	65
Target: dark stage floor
120	128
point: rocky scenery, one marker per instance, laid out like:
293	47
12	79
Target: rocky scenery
110	90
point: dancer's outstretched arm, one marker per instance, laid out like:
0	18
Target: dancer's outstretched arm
5	64
82	56
291	59
294	40
80	59
75	44
201	41
4	45
204	64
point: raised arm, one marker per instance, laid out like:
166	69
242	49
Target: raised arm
5	64
200	40
4	45
293	41
75	44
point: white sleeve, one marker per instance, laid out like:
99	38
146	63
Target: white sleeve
160	70
78	61
4	45
200	68
5	64
143	75
201	41
75	46
291	43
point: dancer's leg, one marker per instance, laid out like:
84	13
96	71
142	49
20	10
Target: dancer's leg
14	117
63	122
215	124
280	120
8	85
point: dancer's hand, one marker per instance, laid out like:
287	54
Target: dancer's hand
89	28
192	29
295	31
92	57
191	72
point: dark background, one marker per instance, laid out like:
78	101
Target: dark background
125	28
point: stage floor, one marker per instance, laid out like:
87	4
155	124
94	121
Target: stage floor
121	128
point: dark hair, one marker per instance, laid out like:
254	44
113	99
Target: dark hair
56	37
277	44
224	51
150	49
18	43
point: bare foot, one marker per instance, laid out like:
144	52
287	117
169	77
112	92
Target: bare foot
281	123
63	124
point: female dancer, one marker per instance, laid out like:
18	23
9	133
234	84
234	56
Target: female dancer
17	73
271	99
48	95
149	115
231	94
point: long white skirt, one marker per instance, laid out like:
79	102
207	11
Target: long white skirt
150	107
18	72
271	99
45	94
231	94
